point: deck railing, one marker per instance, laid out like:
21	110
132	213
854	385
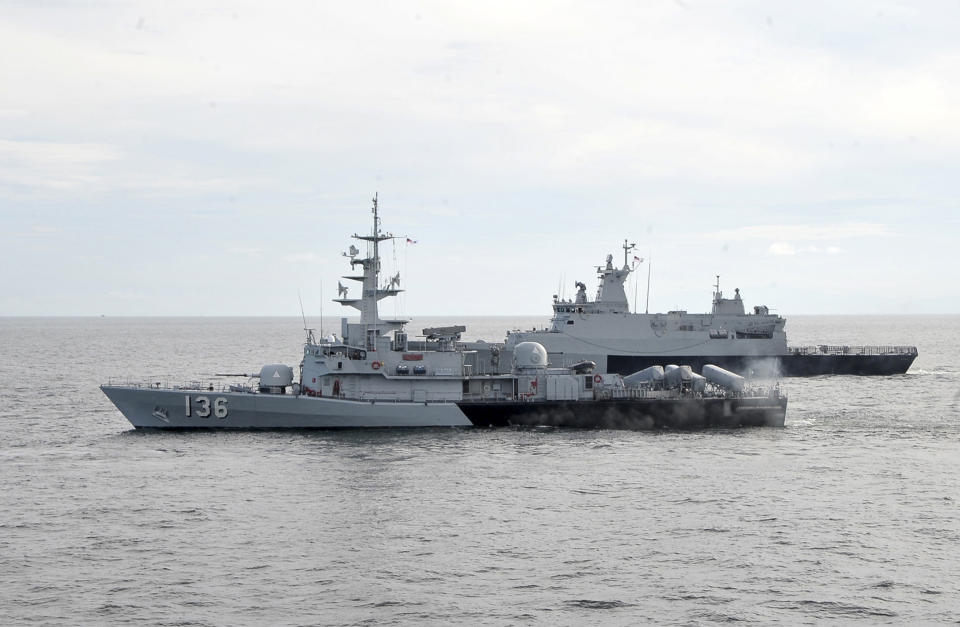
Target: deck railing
186	386
824	349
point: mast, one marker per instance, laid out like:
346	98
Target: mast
717	295
376	260
371	293
626	251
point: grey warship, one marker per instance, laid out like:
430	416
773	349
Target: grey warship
605	331
374	377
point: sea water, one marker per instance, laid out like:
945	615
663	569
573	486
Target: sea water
847	514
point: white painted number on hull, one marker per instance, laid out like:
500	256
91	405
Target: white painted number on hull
219	408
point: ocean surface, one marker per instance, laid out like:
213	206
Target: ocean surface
849	514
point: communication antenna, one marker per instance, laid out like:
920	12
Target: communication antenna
309	332
649	263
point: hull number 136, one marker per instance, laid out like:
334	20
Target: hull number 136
203	408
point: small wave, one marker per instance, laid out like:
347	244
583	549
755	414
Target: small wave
525	617
836	609
717	617
574	575
698	597
395	603
934	371
592	604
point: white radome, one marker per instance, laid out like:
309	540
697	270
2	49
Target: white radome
530	355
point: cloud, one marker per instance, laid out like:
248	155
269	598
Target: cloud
787	248
50	153
805	232
127	295
512	85
248	251
55	165
782	248
301	257
69	167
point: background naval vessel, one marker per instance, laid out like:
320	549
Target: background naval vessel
374	377
604	330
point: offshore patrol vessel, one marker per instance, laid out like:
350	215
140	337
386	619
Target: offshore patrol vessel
374	377
604	330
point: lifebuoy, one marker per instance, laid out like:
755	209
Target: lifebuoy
597	378
375	365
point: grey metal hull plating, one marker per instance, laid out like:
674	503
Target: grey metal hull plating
153	408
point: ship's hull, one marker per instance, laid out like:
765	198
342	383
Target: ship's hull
793	365
154	408
637	414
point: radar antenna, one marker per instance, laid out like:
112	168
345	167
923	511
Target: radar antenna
626	250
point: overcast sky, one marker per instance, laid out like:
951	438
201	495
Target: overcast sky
194	158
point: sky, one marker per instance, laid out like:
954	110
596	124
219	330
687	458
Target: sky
198	158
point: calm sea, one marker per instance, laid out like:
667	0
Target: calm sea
849	514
